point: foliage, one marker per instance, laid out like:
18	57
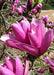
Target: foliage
46	7
51	1
37	1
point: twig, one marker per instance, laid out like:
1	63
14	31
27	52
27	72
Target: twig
9	54
3	52
41	66
3	21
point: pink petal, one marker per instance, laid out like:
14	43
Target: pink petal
4	65
16	2
51	62
37	33
4	71
35	37
45	18
25	25
53	33
34	40
22	46
34	22
24	6
20	10
46	41
42	70
37	25
43	31
13	9
26	67
52	57
46	60
11	64
11	43
19	67
18	31
30	1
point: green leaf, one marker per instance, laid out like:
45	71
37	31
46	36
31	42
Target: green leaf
37	1
40	1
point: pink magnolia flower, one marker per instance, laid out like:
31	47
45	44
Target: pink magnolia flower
24	6
53	31
30	37
34	11
19	10
42	70
51	57
49	25
45	18
39	6
37	9
12	9
51	62
14	67
16	2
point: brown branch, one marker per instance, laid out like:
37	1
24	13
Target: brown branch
3	51
3	21
6	29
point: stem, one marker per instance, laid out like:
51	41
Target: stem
6	30
35	4
3	52
32	59
3	21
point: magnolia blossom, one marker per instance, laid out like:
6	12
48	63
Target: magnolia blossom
14	67
51	57
45	18
42	70
37	9
51	62
19	10
13	9
16	2
34	10
39	6
24	6
30	37
49	25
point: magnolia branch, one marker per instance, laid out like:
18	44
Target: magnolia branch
3	20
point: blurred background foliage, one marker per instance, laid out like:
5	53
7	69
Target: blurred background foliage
48	4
